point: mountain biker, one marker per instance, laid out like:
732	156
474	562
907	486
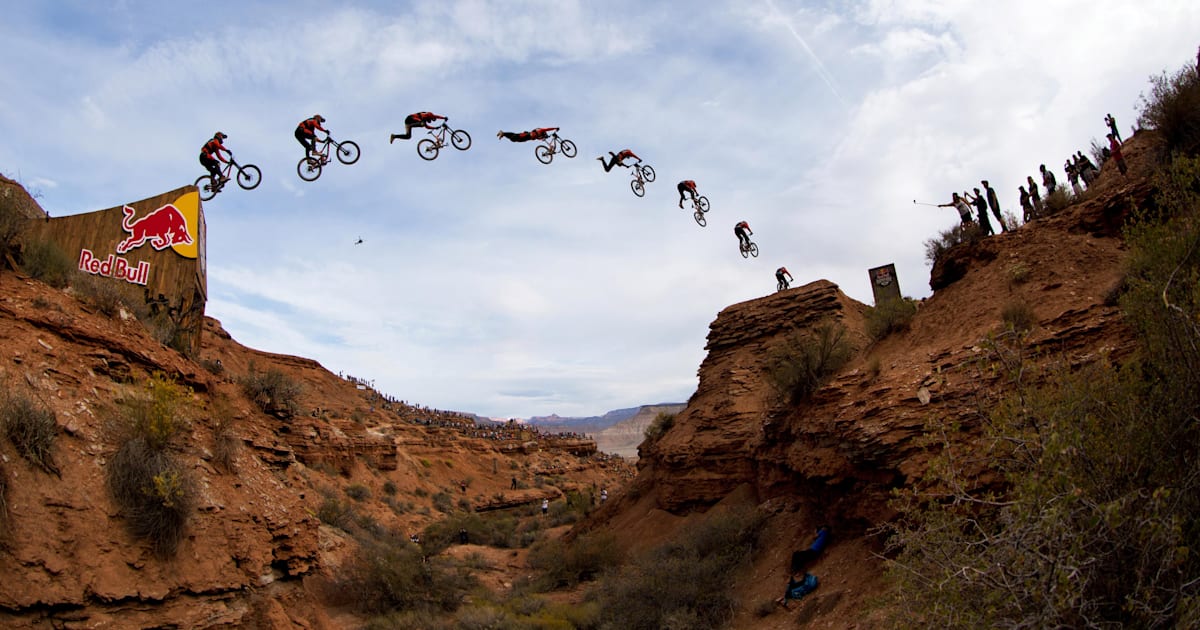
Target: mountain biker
419	119
541	133
743	232
619	159
687	186
210	153
306	135
779	273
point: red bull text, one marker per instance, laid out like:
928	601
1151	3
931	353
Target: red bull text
114	267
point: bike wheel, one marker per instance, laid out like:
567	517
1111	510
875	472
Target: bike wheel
638	188
347	152
543	153
461	140
204	184
699	216
427	149
249	177
568	148
754	250
648	172
745	251
703	203
309	169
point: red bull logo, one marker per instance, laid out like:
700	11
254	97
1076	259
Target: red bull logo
163	228
114	267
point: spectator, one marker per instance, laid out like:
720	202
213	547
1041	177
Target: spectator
798	586
1048	180
462	536
1035	196
994	203
1112	126
514	483
545	506
1026	207
603	495
981	208
1087	170
1115	148
1073	177
964	210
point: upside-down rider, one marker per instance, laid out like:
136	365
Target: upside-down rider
780	273
541	133
743	232
210	157
306	133
618	159
419	119
686	186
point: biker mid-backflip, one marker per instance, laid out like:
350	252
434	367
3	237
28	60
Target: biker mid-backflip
210	157
686	186
419	119
541	133
742	231
618	159
306	133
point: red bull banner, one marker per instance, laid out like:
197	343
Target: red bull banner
172	226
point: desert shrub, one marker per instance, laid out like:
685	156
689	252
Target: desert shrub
153	415
4	525
936	247
335	513
491	529
103	294
273	391
47	262
358	492
889	317
391	574
1018	273
1173	108
1094	523
1018	316
410	620
581	560
31	428
661	424
155	492
684	583
421	492
11	223
1056	201
389	488
806	359
443	501
214	366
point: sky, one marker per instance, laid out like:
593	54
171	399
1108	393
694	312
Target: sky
490	283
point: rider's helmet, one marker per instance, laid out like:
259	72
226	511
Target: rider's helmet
319	118
220	135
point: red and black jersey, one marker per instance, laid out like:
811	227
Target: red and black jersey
782	270
309	124
743	225
688	184
626	153
212	148
426	117
541	133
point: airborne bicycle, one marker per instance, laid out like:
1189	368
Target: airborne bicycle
700	205
642	175
429	147
248	177
748	249
545	152
310	167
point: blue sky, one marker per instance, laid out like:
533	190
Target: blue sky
490	283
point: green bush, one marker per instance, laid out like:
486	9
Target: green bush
336	513
1173	108
582	560
155	492
890	316
1056	201
32	429
358	492
491	529
443	501
936	247
389	488
1018	316
154	414
104	294
682	584
47	262
661	424
273	391
806	359
391	574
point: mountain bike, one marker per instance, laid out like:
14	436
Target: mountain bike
554	144
782	284
748	250
642	175
700	205
309	168
248	177
429	147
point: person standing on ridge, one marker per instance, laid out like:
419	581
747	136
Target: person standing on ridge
782	283
306	133
994	204
1048	180
210	157
1026	206
1112	126
619	159
541	133
742	231
1034	195
419	119
958	203
1114	146
981	208
686	186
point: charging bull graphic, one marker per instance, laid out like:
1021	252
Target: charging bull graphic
163	227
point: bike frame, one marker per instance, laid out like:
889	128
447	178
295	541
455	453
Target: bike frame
439	133
552	142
